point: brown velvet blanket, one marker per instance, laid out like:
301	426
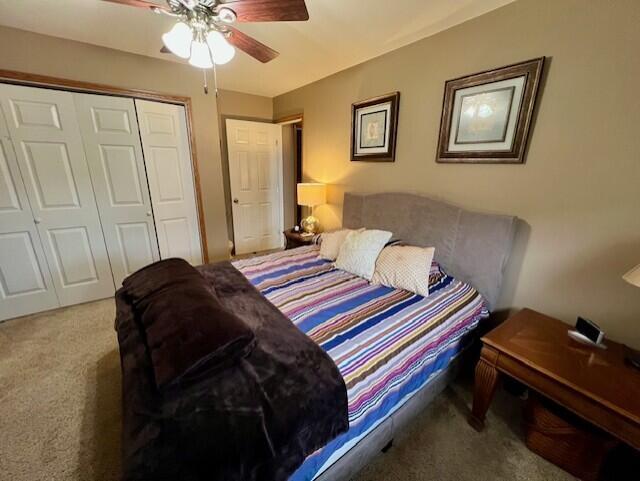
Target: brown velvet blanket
186	328
256	419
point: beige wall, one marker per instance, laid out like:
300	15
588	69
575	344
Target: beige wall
39	54
579	190
246	106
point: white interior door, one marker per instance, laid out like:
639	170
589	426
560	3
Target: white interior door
167	155
255	175
25	282
110	134
44	129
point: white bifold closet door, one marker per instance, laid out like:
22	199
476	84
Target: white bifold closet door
25	282
165	142
92	188
112	144
43	126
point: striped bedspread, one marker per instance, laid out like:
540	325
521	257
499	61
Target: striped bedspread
386	342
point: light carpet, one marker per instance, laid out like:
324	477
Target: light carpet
60	413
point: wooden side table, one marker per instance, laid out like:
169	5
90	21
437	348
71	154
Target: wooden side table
296	239
594	383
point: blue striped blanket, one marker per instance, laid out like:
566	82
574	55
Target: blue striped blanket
386	342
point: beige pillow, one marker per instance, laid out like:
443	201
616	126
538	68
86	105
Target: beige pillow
331	242
360	250
404	267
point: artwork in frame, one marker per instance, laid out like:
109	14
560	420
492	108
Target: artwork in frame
486	117
374	125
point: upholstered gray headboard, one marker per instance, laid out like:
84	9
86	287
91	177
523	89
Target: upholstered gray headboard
471	246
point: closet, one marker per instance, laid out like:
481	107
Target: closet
92	188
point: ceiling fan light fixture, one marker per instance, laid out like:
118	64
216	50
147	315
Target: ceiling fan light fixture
221	51
178	39
200	55
226	15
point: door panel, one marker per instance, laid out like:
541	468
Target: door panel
35	114
119	165
25	282
255	173
175	236
136	245
266	165
109	120
114	154
158	122
4	131
51	175
166	166
167	155
21	273
51	159
73	255
9	201
266	217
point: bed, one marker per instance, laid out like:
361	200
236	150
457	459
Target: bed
282	366
395	350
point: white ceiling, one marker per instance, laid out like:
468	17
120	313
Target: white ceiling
339	34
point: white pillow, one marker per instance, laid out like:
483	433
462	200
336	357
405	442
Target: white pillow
331	242
360	250
405	267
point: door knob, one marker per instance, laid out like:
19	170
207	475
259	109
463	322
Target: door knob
37	220
148	213
235	201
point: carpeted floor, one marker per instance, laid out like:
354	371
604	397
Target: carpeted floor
60	413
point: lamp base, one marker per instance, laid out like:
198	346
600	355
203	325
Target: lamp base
310	224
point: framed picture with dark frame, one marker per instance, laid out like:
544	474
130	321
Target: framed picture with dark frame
486	117
374	127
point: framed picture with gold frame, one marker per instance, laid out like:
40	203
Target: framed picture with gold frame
374	127
486	117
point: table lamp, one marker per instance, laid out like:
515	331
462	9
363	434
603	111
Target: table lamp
311	195
633	278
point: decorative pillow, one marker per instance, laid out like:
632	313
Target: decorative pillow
405	267
331	242
360	250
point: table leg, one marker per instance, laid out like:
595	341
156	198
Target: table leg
485	386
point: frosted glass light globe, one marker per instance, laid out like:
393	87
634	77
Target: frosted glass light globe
178	39
221	51
200	56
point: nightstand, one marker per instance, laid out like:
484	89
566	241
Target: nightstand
594	384
296	239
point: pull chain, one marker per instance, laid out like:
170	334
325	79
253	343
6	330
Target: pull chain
206	87
215	79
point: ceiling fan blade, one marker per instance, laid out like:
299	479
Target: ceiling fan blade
250	45
268	10
141	4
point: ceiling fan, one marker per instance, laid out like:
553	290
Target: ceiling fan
204	31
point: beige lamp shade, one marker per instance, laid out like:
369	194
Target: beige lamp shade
312	194
633	276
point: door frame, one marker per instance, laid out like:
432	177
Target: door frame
45	81
280	174
297	120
